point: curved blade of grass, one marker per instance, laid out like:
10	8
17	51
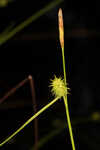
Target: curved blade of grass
28	121
38	14
7	30
48	137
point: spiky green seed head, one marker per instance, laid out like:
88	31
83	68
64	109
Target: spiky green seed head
59	89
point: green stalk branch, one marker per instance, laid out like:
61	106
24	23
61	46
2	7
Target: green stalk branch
28	121
64	68
69	122
66	103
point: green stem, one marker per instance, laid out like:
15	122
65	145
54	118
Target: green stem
28	121
64	68
69	122
66	103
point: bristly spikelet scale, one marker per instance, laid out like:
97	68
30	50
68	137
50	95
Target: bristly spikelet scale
59	89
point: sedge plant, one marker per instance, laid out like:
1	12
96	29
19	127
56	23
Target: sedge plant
59	90
61	36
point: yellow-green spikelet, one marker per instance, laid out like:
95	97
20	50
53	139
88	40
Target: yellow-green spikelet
59	89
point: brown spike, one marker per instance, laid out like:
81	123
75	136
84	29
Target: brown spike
61	27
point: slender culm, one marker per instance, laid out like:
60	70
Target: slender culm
28	121
61	36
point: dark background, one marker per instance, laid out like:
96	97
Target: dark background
36	51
